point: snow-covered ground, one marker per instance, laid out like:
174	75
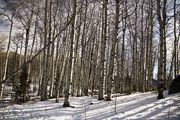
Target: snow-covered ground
138	106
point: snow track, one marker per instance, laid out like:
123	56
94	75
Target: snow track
139	106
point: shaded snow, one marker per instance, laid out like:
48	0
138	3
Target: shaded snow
139	106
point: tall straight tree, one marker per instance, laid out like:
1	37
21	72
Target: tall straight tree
24	72
11	20
112	57
103	45
175	55
164	16
141	62
134	49
149	65
174	62
69	69
83	45
161	15
124	20
44	78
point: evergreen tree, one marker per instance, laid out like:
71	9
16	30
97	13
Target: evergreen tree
22	87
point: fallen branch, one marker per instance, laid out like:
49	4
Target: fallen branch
41	50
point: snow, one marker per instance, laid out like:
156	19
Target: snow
138	106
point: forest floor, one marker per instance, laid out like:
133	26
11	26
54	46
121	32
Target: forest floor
137	106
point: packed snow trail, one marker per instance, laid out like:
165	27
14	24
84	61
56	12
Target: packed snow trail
139	106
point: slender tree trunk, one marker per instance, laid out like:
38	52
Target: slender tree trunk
44	76
134	53
174	53
164	42
7	57
103	44
141	71
33	42
49	38
112	57
60	78
75	62
124	19
150	60
68	79
83	45
53	63
175	43
162	57
160	63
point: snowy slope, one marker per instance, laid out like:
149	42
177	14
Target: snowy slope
139	106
